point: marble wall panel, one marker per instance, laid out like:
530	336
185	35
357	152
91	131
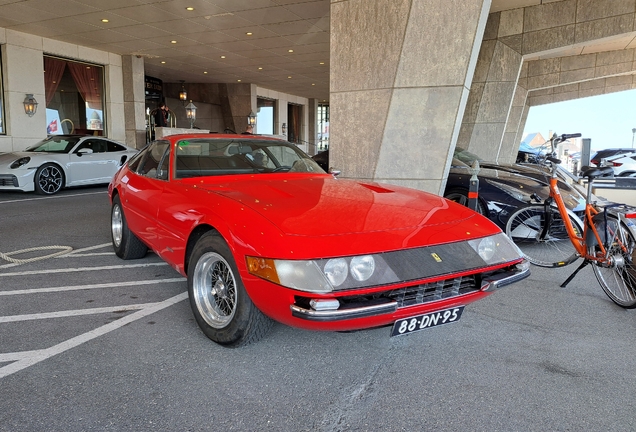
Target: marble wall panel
351	146
589	10
602	28
547	16
419	128
447	60
511	22
495	102
486	140
548	39
583	61
366	55
577	75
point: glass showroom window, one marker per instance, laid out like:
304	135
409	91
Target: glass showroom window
265	116
74	97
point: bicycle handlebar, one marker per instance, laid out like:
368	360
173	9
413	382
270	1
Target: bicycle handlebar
568	136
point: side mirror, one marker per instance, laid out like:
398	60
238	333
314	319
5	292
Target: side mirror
334	172
84	151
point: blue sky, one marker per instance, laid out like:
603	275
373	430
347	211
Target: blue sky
607	119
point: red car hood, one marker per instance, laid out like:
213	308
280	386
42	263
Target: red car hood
323	206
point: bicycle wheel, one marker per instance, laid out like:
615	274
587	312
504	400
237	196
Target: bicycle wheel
618	280
556	250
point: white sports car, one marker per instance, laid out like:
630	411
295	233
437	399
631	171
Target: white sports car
62	161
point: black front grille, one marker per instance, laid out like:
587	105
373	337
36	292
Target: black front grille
430	292
8	180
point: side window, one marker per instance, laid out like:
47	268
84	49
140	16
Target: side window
133	162
98	146
114	147
149	165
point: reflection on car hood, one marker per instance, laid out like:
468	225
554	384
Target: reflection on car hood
338	207
10	157
530	179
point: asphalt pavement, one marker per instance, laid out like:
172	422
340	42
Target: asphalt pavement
91	342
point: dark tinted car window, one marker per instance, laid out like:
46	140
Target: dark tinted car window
114	147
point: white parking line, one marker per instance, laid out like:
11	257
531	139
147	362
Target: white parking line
30	358
93	286
51	197
74	312
82	269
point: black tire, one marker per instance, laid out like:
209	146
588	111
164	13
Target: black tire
556	249
49	179
219	302
127	246
619	279
460	196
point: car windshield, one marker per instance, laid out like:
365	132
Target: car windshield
465	156
210	157
55	144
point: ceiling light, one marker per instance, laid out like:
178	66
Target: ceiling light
222	56
163	62
313	84
238	80
288	77
290	51
173	41
249	33
205	72
189	8
260	68
104	20
322	62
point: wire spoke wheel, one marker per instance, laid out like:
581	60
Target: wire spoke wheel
554	249
215	290
618	277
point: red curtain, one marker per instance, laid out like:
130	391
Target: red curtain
53	71
87	80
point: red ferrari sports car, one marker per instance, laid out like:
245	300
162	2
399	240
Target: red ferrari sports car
262	232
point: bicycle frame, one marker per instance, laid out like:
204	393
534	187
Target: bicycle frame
579	242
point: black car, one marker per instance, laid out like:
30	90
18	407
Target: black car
322	159
503	188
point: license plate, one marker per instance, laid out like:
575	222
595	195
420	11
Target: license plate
422	322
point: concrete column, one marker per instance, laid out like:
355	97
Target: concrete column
237	100
312	133
510	144
134	100
493	87
522	122
399	84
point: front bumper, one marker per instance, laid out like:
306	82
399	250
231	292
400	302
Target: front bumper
19	179
424	294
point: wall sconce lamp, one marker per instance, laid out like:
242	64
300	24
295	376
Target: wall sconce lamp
191	113
251	119
30	105
284	128
183	94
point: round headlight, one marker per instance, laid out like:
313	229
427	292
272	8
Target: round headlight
487	248
336	271
362	267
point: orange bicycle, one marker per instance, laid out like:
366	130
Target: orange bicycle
550	235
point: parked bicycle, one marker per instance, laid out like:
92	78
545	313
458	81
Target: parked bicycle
550	235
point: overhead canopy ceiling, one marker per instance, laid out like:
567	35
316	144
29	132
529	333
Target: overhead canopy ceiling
282	45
